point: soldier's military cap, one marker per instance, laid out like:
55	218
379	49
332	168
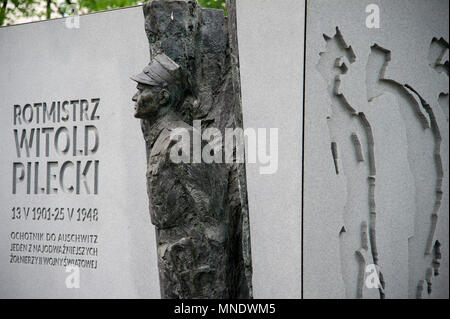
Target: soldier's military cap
159	71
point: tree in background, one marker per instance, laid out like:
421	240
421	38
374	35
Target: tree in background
20	11
218	4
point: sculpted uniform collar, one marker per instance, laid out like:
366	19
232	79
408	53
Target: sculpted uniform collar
153	130
168	122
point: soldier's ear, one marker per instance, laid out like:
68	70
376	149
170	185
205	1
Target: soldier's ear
164	97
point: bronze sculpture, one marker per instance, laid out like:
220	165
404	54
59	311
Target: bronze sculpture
198	209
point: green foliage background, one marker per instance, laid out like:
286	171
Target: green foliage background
19	11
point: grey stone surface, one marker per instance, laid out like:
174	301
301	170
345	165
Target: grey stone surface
271	45
377	98
199	209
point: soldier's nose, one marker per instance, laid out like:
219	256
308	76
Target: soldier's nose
134	98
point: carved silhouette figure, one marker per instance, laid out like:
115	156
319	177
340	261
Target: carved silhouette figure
350	129
349	126
424	134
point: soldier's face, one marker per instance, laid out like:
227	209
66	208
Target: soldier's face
146	101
